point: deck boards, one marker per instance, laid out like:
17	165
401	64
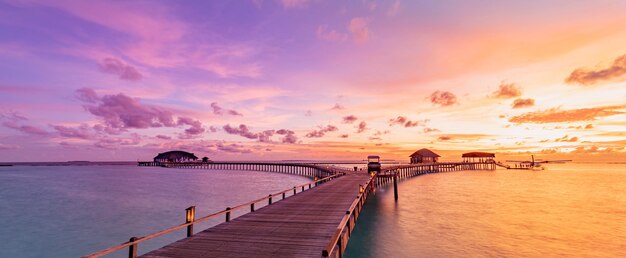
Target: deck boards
299	226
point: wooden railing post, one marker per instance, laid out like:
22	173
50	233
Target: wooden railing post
283	195
395	187
227	214
190	217
132	250
269	201
252	207
294	190
303	188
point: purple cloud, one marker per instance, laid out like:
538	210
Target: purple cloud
322	131
337	107
264	136
163	137
27	129
196	126
217	110
120	112
290	136
349	119
403	121
123	71
82	132
362	127
233	148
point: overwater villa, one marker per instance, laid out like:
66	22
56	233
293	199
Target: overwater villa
424	156
478	157
175	156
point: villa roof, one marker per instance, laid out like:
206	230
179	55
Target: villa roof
425	153
477	154
175	155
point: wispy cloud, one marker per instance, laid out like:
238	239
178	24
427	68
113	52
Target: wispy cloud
359	29
585	76
323	32
122	70
294	3
566	138
556	115
217	110
337	107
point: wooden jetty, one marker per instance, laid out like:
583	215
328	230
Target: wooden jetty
310	220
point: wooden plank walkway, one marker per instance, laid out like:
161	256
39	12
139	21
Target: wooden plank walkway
299	226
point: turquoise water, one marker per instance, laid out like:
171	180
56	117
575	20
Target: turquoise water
570	210
70	211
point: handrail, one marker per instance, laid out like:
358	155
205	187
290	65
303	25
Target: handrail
213	215
336	237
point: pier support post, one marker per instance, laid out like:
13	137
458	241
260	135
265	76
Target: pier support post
190	216
132	250
395	187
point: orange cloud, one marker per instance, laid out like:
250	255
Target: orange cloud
523	103
587	77
555	115
566	139
443	98
507	91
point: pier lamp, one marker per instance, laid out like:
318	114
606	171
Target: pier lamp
190	216
372	174
361	189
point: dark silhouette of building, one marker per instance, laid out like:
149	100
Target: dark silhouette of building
205	159
175	156
424	156
478	157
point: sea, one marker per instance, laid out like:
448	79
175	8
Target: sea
567	210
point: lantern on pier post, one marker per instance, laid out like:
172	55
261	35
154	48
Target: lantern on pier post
190	216
361	189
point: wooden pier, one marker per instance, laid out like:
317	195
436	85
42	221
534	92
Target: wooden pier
310	220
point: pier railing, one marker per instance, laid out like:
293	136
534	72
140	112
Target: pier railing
132	244
339	240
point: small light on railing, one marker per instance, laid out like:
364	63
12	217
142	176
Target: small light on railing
191	213
372	174
361	189
316	178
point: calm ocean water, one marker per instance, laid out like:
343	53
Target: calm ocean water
572	210
70	211
569	210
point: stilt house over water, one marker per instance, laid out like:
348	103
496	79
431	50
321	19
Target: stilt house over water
478	157
424	156
175	156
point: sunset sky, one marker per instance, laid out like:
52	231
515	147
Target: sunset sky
305	79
